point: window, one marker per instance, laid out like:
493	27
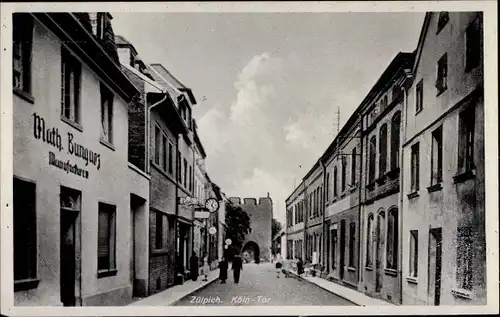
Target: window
392	239
419	102
321	203
106	114
70	87
473	47
465	257
396	92
415	169
352	240
343	171
442	74
466	139
25	244
190	178
443	18
382	158
335	181
106	238
395	131
327	186
179	167
437	156
21	52
369	241
159	231
157	144
185	173
353	167
413	253
170	158
164	151
372	160
383	103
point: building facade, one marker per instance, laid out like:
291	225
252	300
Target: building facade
381	112
313	192
444	248
71	223
295	219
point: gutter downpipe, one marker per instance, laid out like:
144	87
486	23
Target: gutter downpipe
361	269
148	128
323	249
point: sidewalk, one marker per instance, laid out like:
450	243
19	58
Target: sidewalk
354	296
173	294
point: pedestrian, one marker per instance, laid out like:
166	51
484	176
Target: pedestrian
206	267
194	265
237	267
223	270
278	265
300	267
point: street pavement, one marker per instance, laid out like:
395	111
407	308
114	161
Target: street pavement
259	286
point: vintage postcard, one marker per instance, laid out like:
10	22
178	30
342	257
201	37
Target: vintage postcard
249	158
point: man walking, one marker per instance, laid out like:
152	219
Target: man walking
237	267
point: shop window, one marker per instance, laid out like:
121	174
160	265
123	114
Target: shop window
442	74
437	156
395	135
372	159
473	48
106	114
415	168
25	238
466	139
158	230
443	19
21	52
392	240
70	87
382	158
157	144
413	253
369	241
352	240
419	101
106	237
353	167
465	258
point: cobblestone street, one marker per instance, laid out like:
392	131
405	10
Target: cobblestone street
260	286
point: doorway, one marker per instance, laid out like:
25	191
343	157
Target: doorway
342	249
434	271
69	246
333	256
379	250
137	209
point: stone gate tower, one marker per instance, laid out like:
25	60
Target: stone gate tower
258	242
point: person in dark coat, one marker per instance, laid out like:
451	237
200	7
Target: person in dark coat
300	267
194	263
223	270
237	267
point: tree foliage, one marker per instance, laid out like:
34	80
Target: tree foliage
275	227
238	225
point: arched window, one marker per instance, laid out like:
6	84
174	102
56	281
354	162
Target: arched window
369	241
382	159
372	160
395	131
392	239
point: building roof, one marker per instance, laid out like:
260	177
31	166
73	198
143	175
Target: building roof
176	82
421	38
198	143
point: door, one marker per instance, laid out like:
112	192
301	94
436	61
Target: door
379	251
334	249
342	249
132	246
434	271
68	258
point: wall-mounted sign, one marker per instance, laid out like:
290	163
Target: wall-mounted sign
190	201
201	214
51	136
212	204
212	230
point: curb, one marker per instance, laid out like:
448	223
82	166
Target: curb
195	290
329	291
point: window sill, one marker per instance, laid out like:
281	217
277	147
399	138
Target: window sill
462	293
435	187
159	252
412	280
26	284
391	272
370	186
353	187
470	174
351	269
343	194
413	195
393	174
107	144
380	181
72	123
468	69
440	91
106	273
368	268
26	96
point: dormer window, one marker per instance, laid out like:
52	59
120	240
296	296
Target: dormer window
443	18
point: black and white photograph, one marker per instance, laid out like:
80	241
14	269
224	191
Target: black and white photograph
225	158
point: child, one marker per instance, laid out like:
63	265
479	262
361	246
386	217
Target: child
206	268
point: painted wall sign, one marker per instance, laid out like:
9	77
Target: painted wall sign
51	136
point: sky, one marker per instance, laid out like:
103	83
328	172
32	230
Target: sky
269	85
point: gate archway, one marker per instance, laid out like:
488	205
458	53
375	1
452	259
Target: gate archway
251	252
